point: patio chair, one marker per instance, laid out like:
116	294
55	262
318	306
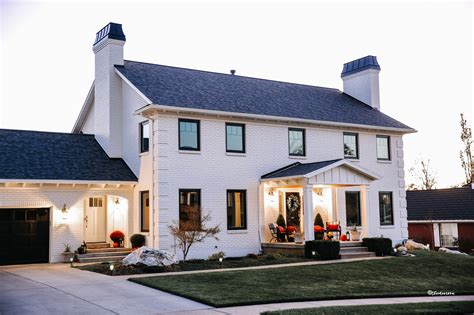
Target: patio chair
278	233
335	228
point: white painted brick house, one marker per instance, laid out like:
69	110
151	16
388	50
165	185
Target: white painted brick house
242	149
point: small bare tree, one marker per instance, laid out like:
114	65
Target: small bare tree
189	232
466	153
424	174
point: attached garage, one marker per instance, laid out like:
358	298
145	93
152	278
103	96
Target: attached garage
24	235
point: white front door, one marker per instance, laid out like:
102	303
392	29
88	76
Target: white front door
94	220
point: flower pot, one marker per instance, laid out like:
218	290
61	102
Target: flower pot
67	256
355	235
116	244
298	238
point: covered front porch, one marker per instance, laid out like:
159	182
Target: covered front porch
337	190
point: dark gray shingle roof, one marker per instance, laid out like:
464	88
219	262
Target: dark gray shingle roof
57	156
441	204
297	169
172	86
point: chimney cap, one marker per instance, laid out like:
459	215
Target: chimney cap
364	63
111	30
232	71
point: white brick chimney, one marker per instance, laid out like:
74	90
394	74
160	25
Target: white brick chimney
361	80
108	50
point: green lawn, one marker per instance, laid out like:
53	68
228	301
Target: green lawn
192	265
410	308
400	276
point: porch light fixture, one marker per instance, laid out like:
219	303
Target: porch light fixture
64	212
117	201
319	192
270	192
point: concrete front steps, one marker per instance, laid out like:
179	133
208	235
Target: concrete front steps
354	250
102	252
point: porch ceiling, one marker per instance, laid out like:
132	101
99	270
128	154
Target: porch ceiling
333	172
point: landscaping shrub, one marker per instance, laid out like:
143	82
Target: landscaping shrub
379	245
318	222
325	250
466	245
137	240
281	221
216	256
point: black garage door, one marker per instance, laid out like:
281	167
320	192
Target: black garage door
24	236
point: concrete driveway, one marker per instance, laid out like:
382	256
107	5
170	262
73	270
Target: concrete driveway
60	289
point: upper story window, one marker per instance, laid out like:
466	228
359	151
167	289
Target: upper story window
236	210
383	148
190	209
296	142
235	137
145	211
351	145
189	138
144	136
386	208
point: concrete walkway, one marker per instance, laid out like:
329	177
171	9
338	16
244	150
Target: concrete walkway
307	263
257	309
60	289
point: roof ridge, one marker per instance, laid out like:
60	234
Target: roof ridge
334	160
51	132
234	75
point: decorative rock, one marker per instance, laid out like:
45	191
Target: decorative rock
150	257
450	251
411	245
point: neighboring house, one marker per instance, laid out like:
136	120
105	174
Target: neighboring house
442	216
178	141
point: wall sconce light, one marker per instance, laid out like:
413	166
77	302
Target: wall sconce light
117	200
64	212
319	192
270	192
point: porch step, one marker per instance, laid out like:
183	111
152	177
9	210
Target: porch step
353	249
350	244
101	259
107	250
122	252
94	245
356	255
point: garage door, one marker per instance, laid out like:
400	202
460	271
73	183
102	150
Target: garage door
24	236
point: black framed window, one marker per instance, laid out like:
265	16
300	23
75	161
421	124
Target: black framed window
296	142
145	210
189	137
386	208
235	137
351	145
383	148
144	136
353	208
236	209
190	209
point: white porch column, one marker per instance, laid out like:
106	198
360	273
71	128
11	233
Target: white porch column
261	212
308	212
365	209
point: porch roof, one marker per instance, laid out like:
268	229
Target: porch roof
321	169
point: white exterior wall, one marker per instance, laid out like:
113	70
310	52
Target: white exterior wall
70	231
214	171
89	123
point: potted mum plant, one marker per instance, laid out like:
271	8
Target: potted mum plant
117	237
67	253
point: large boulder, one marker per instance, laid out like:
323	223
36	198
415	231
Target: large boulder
150	257
411	245
450	251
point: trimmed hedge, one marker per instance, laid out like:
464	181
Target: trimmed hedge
325	250
379	245
137	240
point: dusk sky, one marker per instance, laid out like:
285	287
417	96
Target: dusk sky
425	50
